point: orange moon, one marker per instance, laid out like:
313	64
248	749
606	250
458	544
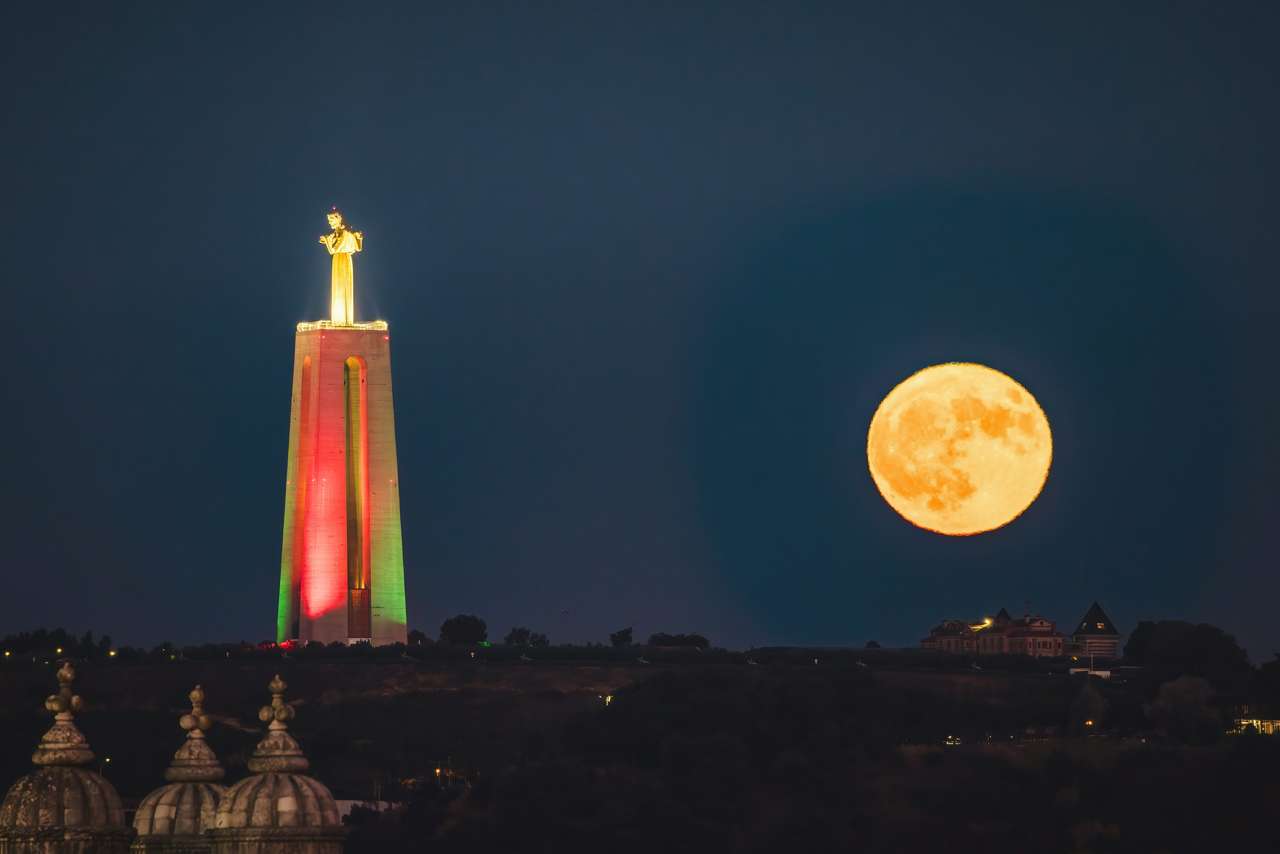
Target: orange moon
959	449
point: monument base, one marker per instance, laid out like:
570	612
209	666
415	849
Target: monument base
342	558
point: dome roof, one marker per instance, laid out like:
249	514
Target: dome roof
63	797
189	804
60	802
274	800
178	809
279	798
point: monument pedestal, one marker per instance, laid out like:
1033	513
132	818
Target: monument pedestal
342	559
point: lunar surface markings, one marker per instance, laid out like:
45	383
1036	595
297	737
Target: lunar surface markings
959	449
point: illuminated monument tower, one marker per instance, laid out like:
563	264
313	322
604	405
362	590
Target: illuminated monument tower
342	561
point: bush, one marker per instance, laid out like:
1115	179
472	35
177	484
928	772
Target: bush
464	629
1183	711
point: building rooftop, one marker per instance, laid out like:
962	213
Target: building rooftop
1096	622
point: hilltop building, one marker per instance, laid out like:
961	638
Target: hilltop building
1030	634
1246	721
1096	635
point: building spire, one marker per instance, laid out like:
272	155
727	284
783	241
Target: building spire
195	761
278	751
63	744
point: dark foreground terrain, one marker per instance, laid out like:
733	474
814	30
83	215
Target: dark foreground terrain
702	754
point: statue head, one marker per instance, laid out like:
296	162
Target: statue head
335	219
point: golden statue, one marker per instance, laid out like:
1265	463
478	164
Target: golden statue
342	244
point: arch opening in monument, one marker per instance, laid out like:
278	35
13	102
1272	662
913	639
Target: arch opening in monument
355	385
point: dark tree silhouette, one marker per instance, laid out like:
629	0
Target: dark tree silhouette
690	640
47	642
1168	649
417	638
1088	710
1266	686
519	636
463	629
1183	709
621	638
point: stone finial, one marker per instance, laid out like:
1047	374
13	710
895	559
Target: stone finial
63	744
197	720
278	751
195	761
279	711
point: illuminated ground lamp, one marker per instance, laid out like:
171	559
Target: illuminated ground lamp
342	557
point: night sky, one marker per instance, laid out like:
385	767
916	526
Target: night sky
649	268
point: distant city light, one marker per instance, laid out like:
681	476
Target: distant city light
111	654
58	650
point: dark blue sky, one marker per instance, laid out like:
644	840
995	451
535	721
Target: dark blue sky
649	268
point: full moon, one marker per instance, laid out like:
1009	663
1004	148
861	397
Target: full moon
959	449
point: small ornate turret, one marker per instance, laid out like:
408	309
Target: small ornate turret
63	744
176	818
278	808
278	751
62	806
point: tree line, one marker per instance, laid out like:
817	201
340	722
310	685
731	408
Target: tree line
468	629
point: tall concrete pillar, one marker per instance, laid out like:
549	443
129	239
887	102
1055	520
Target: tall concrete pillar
342	558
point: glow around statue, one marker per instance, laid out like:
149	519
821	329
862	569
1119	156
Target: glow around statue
342	243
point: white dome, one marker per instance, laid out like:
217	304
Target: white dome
278	800
178	809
